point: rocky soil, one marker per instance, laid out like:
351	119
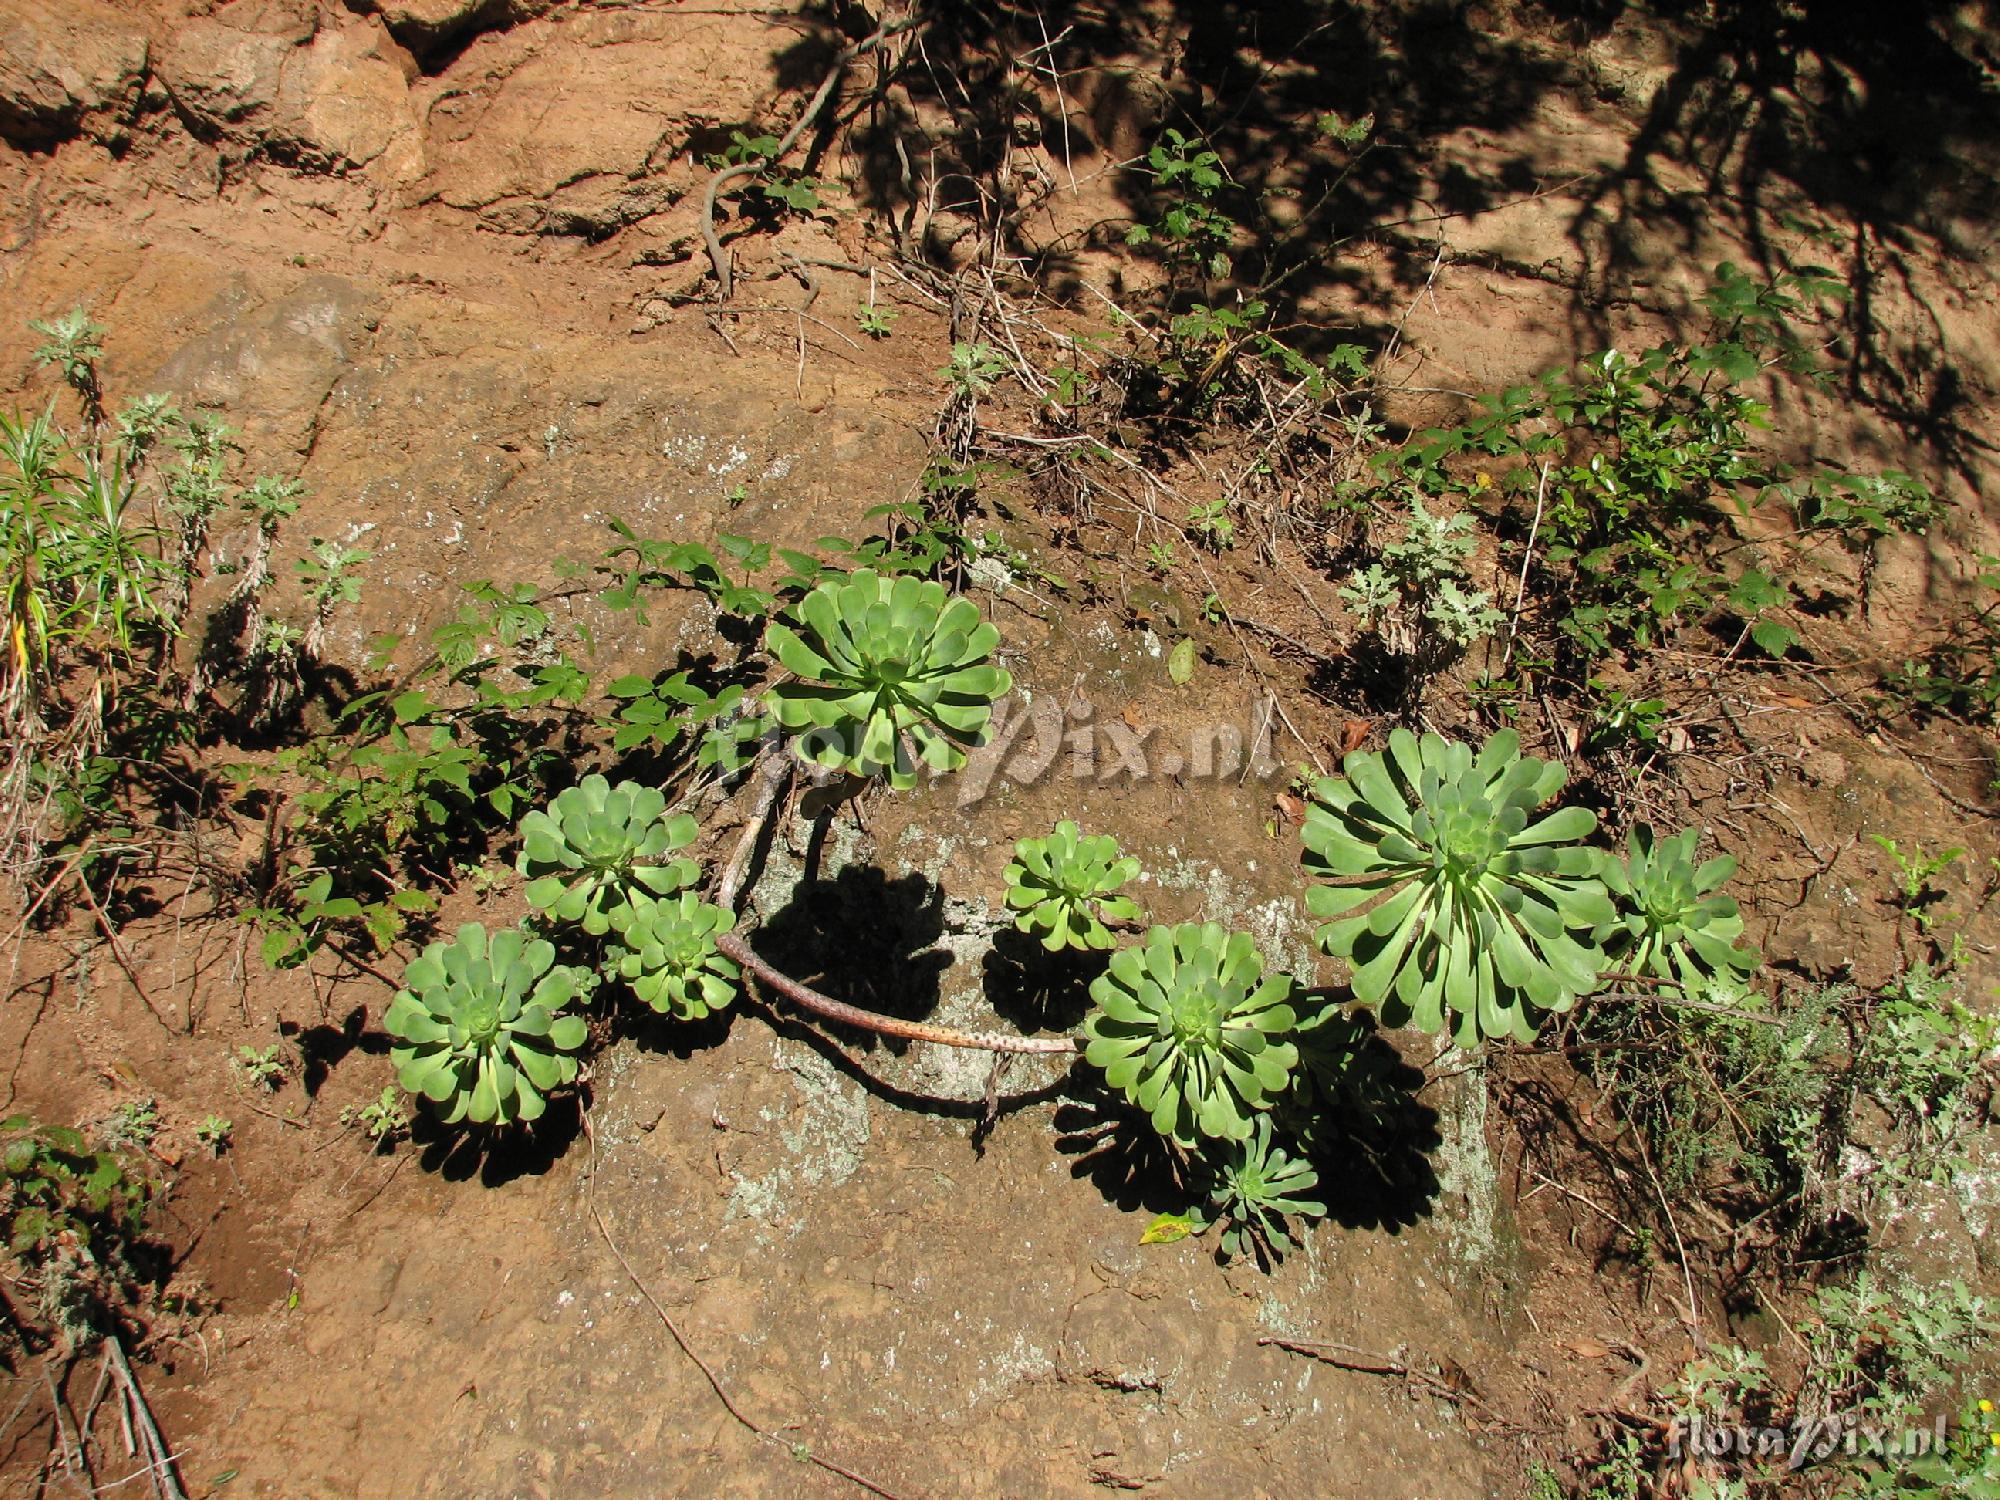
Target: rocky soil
442	261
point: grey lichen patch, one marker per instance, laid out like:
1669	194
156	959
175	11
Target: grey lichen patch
1014	1364
825	1139
1978	1190
784	863
1468	1181
929	854
1279	923
613	1120
1282	1320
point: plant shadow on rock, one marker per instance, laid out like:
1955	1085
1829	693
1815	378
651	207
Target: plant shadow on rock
1372	1140
863	938
498	1156
1116	1147
1869	113
657	1032
1033	989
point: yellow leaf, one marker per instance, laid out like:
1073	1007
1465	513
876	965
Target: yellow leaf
1168	1228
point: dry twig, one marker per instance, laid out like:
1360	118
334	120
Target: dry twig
718	257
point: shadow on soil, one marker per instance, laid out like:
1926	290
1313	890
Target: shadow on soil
497	1158
1869	113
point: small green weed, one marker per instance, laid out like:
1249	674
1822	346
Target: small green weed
1959	674
1195	233
1916	875
133	1125
973	369
382	1118
213	1132
875	320
261	1068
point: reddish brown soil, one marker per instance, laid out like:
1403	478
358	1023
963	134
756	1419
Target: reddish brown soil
451	290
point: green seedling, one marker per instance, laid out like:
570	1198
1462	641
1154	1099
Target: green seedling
263	1069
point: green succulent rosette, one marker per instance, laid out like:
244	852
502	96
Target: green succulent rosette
1257	1185
1189	1030
887	674
666	952
1481	909
596	845
1065	888
1675	926
477	1030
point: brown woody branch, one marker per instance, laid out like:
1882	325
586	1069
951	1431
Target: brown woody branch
773	777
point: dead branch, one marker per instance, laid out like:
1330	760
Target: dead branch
1364	1362
734	947
773	778
159	1458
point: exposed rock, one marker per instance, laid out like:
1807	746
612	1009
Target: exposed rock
271	369
224	70
63	63
576	139
265	76
344	101
430	28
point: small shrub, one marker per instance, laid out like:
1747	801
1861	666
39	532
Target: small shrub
1184	1028
1748	1100
1417	599
1065	887
1925	1058
477	1029
68	1215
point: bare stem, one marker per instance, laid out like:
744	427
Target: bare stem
773	777
732	946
